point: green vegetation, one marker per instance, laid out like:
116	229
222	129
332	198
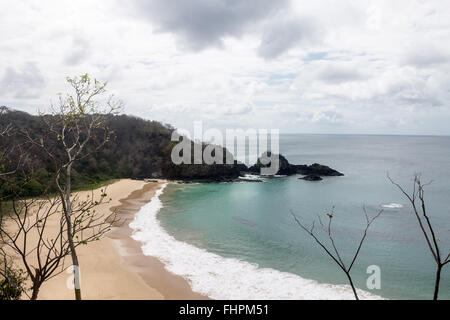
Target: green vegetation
12	284
137	149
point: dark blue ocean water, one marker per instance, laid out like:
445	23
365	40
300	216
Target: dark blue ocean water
252	221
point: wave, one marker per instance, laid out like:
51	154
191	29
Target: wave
250	177
392	205
225	278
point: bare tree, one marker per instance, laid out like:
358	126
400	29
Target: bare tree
42	250
333	251
5	267
78	127
417	200
13	160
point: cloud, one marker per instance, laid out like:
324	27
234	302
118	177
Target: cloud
322	115
199	24
328	115
282	34
234	107
78	51
25	83
335	73
423	56
379	62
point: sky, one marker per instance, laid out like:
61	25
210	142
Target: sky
360	67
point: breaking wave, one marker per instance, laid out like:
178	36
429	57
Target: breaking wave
225	278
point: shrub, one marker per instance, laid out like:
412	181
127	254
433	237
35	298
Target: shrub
12	286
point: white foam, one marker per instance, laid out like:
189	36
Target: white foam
250	177
392	205
225	278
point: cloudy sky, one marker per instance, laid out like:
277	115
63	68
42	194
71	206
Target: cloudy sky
301	66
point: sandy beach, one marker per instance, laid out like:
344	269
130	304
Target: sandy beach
114	267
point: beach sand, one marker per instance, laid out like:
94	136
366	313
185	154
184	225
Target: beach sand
114	267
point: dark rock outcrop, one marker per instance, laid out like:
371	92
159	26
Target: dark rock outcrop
317	169
311	177
285	168
202	172
241	167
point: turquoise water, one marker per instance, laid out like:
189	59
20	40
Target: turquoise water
252	221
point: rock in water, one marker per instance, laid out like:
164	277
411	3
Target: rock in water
317	169
285	168
311	177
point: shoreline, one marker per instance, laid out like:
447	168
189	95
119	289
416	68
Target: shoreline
115	268
229	278
150	269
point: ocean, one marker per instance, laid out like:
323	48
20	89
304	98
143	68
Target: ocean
239	240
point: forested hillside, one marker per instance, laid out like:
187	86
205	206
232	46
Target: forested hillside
138	148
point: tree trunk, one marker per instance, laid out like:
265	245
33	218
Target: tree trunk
35	293
73	253
353	286
438	279
76	273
